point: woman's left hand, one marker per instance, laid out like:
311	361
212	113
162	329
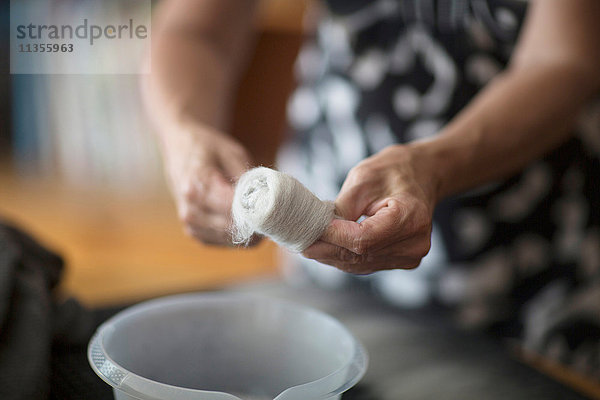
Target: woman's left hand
396	191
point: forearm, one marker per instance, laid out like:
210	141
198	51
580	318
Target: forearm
195	64
188	83
520	116
529	109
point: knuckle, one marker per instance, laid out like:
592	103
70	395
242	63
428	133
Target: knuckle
187	218
360	173
423	248
371	257
423	219
425	225
360	246
347	256
418	225
339	253
189	193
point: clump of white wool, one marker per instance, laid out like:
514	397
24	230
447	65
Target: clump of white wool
276	205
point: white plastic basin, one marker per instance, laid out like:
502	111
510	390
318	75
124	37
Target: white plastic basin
223	346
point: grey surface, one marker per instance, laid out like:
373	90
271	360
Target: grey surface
420	355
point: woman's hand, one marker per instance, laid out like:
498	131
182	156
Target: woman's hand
202	164
552	75
199	50
397	194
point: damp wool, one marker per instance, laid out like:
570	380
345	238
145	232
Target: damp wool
276	205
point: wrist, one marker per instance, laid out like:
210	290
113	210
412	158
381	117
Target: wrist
431	168
186	133
414	172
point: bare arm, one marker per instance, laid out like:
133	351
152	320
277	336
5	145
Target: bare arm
523	113
198	50
530	108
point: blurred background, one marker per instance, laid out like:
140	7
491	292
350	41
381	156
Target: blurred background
80	170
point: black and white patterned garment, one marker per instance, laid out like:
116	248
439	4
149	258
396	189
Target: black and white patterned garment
524	254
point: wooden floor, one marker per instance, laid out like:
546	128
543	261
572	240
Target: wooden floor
121	247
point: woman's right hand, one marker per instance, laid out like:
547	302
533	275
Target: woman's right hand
202	165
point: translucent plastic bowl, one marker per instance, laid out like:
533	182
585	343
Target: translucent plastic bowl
220	346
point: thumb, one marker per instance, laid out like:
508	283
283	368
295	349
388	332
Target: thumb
350	203
235	163
219	193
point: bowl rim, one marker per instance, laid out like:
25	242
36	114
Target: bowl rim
129	382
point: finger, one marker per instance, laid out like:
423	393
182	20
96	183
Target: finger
370	267
209	229
234	165
209	237
197	219
210	192
349	268
326	251
351	202
375	232
341	232
415	247
219	195
401	254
